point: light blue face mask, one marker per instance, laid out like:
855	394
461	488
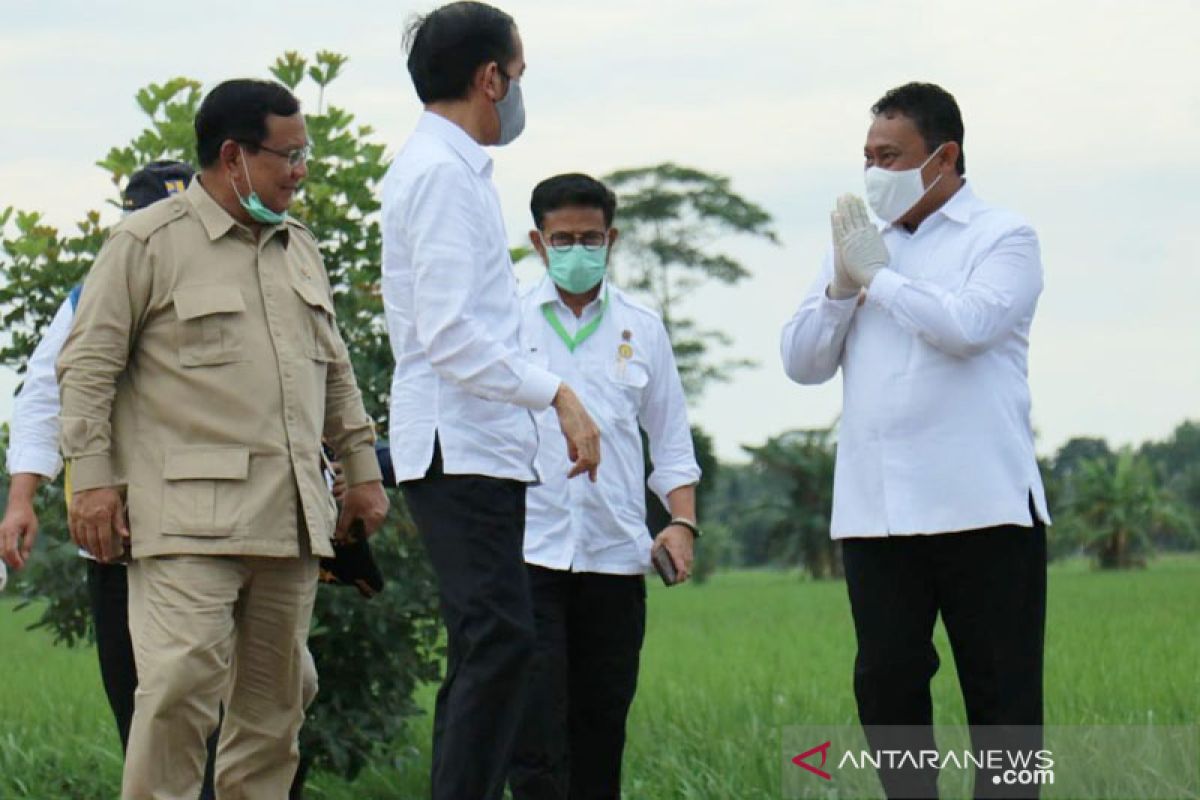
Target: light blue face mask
254	205
577	270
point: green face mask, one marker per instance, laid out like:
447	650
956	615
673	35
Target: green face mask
254	205
577	270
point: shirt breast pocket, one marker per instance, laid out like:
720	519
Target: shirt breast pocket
626	381
318	336
211	321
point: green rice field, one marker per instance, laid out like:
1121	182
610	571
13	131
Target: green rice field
726	667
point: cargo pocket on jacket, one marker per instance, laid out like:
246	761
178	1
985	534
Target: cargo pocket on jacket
320	340
204	490
210	324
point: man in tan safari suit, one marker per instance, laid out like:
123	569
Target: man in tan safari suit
203	367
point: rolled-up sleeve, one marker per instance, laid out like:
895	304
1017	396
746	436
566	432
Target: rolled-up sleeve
96	352
441	223
663	415
33	442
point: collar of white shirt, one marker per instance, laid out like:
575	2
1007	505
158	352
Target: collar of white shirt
959	208
467	148
547	292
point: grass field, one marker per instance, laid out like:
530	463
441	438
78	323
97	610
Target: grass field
726	666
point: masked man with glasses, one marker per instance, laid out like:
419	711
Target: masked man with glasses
33	457
463	440
937	498
587	548
201	372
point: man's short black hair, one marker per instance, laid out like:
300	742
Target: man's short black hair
572	189
447	46
238	110
933	111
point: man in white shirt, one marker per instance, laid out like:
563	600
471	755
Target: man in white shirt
462	434
587	547
938	501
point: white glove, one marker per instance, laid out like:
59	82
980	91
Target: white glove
842	287
863	252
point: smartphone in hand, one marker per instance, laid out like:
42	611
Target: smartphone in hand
664	565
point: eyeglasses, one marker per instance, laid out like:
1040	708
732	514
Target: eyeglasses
591	240
295	158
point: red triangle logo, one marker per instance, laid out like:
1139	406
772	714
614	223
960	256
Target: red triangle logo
801	760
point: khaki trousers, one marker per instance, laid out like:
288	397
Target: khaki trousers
213	629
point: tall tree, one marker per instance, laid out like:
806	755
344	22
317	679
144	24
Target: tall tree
371	655
797	519
1179	452
1115	505
744	501
1076	451
671	218
1176	463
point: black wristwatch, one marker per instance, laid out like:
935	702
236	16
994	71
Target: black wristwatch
684	522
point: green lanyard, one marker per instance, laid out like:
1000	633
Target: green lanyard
587	330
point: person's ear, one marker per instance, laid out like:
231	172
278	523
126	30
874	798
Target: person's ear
948	158
613	233
535	238
490	81
231	155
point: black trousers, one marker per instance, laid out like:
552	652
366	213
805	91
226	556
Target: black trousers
590	629
108	592
989	585
473	528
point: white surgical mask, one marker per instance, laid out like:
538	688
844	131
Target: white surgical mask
892	193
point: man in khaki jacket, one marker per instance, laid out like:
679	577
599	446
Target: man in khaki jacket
203	367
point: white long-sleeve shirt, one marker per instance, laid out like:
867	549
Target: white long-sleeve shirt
33	439
452	310
935	433
625	374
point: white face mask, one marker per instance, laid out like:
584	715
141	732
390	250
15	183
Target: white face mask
892	193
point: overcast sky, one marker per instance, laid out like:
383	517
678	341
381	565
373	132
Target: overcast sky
1083	116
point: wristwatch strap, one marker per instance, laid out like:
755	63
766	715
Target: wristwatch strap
687	523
